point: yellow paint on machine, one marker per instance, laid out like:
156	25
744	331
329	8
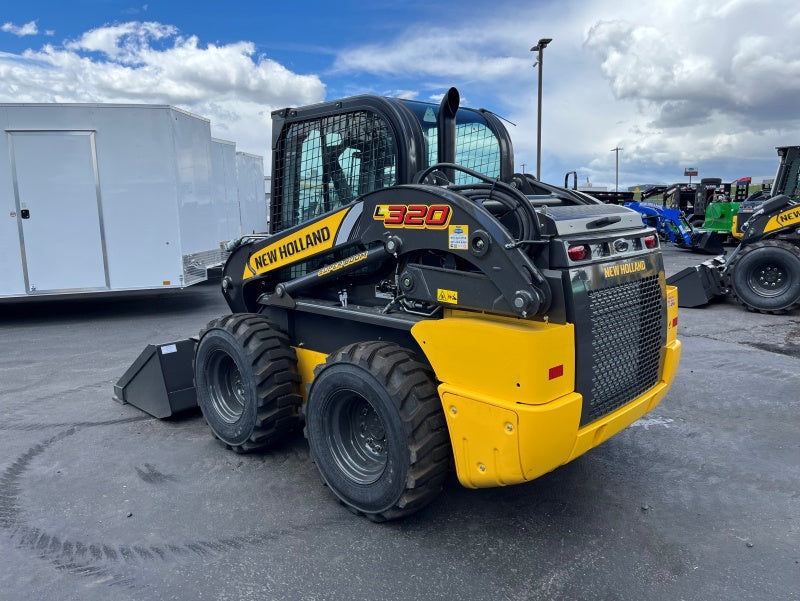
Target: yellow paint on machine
316	237
672	313
307	360
507	392
735	228
510	418
783	219
501	358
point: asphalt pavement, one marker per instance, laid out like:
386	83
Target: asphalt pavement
699	500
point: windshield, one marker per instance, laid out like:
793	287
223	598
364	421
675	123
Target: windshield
476	145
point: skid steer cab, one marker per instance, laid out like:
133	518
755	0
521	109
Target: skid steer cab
418	306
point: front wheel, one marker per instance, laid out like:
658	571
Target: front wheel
766	276
247	381
376	430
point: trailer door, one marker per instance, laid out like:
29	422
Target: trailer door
57	193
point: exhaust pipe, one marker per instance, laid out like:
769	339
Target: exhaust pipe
446	131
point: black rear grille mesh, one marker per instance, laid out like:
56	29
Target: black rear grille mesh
628	331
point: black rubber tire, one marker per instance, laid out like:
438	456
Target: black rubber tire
247	383
765	276
376	430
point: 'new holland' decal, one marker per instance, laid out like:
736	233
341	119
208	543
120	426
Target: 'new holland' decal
783	219
613	271
310	240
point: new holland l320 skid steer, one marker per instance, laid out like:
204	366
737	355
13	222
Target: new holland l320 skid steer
418	305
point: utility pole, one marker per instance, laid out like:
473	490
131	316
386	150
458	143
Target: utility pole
539	48
616	184
523	167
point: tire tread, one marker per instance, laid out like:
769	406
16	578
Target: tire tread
788	246
411	384
274	365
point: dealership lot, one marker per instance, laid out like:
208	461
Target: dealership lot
699	500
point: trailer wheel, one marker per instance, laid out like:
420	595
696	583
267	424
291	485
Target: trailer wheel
766	276
376	430
247	381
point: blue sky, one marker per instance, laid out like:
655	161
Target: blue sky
710	84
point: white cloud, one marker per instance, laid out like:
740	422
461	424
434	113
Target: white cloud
707	82
29	28
474	53
670	81
152	63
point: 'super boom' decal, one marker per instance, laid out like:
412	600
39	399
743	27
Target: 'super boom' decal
415	216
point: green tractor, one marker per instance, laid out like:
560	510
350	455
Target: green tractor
721	212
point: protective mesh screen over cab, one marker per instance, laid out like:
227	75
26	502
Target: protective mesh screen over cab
327	162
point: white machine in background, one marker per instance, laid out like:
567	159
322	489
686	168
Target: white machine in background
101	198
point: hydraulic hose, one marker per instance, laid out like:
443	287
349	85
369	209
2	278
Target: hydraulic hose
496	190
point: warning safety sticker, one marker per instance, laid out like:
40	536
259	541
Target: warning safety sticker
447	296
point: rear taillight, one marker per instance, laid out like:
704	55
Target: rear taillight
578	252
650	242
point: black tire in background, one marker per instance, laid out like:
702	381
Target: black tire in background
247	381
766	276
376	430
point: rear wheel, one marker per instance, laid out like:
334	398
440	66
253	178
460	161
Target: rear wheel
376	430
766	276
247	381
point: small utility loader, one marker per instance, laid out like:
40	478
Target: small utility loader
419	306
763	272
672	226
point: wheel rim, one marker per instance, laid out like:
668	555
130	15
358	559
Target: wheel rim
356	437
225	387
768	279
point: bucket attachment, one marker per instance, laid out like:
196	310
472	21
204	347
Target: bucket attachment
698	285
161	380
707	242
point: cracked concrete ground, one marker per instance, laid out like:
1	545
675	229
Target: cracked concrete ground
700	500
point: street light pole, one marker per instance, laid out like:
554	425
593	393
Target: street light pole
539	48
616	181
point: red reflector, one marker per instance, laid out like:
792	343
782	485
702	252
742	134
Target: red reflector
675	322
556	372
650	241
577	253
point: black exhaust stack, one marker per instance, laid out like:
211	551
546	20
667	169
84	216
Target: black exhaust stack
446	130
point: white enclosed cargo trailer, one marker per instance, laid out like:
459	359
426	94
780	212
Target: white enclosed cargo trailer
250	189
223	187
99	198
